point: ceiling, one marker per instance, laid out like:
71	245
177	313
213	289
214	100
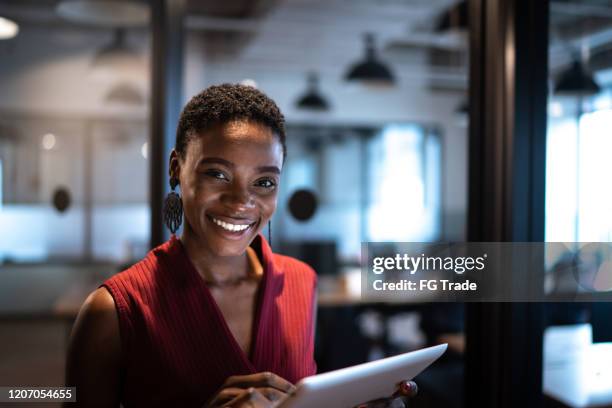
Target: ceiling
327	36
275	38
272	38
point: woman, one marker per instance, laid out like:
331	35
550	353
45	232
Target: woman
172	329
213	318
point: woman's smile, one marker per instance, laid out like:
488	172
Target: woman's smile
233	228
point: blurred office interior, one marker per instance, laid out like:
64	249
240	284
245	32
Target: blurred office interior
407	120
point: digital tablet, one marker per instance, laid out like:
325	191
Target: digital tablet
351	386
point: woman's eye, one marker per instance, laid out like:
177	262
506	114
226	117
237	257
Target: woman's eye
266	183
216	174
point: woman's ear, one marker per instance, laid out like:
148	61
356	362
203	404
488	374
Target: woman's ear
174	166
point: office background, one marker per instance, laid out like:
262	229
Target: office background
477	120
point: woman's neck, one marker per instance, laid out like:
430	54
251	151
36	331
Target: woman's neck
214	269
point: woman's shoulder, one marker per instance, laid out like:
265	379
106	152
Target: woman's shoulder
139	271
154	261
94	352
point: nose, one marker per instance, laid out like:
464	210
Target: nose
238	198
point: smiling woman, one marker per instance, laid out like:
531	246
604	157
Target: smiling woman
212	318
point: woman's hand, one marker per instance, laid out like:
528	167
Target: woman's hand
399	399
250	398
261	390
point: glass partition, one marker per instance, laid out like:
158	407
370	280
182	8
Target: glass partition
578	338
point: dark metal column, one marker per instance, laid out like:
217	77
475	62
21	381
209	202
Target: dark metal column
508	90
166	101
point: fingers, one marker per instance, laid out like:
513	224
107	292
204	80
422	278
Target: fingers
392	402
230	393
225	395
267	385
406	389
272	393
399	402
250	398
377	403
260	380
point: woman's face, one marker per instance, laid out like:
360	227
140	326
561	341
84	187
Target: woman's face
229	183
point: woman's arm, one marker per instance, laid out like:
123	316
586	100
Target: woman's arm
93	365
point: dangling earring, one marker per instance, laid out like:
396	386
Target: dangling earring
270	233
173	208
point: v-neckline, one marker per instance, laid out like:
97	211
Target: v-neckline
250	359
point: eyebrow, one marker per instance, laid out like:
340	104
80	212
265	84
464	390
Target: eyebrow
269	169
215	160
227	163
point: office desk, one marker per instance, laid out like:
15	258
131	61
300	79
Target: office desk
582	379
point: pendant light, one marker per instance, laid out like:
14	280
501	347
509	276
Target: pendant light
454	18
118	57
463	108
8	28
312	99
105	13
576	81
125	93
370	70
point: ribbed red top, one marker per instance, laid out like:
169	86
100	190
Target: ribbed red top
177	349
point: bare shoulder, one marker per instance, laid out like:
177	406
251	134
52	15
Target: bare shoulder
98	313
100	300
94	354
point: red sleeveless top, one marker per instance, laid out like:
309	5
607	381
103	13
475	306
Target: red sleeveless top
177	349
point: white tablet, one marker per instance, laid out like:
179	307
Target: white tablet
350	386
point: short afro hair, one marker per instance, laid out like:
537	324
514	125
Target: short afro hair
220	104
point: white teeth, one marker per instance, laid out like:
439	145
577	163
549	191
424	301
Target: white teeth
230	227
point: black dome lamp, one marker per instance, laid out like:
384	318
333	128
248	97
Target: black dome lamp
576	81
312	99
463	108
105	13
370	69
454	18
118	57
